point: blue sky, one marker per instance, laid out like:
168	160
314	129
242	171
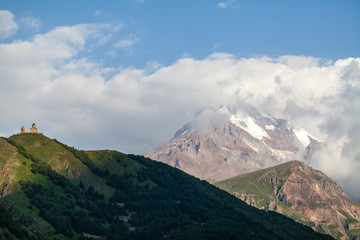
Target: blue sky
163	31
126	75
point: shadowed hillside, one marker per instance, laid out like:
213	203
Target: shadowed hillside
53	191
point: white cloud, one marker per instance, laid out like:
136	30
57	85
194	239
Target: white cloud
125	43
31	22
8	25
135	110
47	49
228	4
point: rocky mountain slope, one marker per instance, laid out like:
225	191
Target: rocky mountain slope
302	193
52	191
242	141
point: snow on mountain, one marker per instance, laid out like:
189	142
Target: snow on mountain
245	140
248	124
270	127
303	136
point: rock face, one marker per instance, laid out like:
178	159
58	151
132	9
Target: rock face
302	193
242	142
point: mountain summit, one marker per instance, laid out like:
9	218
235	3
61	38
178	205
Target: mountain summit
302	193
225	142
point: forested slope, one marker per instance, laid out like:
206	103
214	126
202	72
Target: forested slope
53	191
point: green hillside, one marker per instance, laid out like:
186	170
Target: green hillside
256	185
52	191
301	193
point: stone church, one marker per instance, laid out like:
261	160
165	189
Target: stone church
33	130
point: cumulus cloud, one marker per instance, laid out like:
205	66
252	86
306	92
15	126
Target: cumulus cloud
8	25
87	105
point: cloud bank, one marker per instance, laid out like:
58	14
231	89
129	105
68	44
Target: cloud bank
50	81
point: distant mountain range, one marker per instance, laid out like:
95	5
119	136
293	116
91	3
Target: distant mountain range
240	141
49	190
302	193
226	142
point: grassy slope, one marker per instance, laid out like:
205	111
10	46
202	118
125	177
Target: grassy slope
254	184
159	199
114	161
15	168
117	163
12	161
61	160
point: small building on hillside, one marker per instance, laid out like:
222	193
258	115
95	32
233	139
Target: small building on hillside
33	130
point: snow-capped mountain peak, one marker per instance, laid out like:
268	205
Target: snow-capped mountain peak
239	142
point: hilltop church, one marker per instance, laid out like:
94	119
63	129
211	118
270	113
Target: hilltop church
33	130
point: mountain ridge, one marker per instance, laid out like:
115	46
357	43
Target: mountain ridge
302	193
144	199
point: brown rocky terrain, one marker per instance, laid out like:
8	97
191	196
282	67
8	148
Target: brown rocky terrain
302	193
244	142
